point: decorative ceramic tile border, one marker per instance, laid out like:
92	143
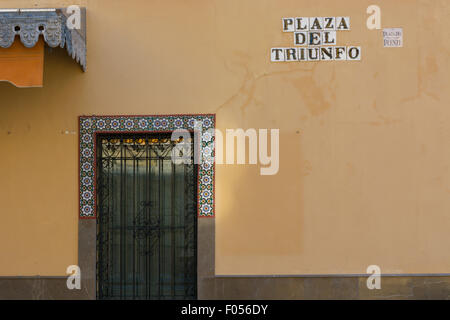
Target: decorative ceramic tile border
90	126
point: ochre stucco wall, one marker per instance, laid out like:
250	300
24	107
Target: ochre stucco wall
364	162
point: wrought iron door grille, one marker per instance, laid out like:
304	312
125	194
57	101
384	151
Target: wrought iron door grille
147	221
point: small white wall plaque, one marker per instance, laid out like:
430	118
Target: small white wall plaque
393	37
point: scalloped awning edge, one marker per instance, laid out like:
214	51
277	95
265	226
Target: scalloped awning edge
51	24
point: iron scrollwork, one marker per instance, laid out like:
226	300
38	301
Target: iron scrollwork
137	250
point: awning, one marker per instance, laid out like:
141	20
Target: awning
30	25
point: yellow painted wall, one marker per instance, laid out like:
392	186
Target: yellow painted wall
364	166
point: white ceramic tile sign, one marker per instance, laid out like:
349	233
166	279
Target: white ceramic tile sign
393	37
315	39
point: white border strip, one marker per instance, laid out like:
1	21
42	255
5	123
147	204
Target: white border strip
37	10
356	275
